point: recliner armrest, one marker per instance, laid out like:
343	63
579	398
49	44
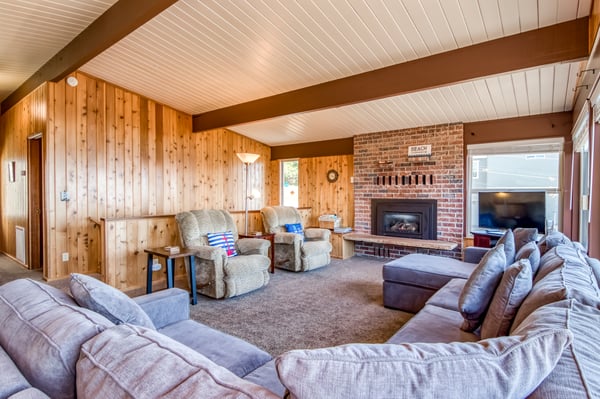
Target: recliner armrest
209	253
317	234
165	307
253	246
474	254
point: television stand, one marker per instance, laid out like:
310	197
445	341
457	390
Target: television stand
486	238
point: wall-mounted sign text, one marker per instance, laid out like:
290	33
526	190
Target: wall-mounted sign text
419	150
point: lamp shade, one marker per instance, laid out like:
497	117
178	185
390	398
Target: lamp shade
247	157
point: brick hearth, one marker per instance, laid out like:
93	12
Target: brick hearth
381	165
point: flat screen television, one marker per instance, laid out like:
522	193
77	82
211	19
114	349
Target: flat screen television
508	210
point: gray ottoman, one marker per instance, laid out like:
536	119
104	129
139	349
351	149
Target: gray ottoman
408	282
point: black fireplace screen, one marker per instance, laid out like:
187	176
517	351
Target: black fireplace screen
400	222
411	218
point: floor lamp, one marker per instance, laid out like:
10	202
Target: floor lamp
247	159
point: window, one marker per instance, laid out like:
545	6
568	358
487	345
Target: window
289	183
532	165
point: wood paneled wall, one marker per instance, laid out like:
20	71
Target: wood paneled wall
316	193
119	155
16	125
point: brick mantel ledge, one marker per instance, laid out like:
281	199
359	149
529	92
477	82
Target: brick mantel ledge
401	241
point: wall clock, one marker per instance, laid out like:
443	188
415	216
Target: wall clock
332	176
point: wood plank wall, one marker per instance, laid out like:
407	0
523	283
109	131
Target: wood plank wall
119	155
316	192
16	125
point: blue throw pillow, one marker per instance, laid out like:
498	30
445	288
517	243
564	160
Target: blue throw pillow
294	228
223	240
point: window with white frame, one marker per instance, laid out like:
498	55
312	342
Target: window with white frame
289	182
515	167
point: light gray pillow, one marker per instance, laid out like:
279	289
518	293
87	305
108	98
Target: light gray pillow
513	289
108	301
134	362
480	287
506	367
531	252
523	235
555	239
508	240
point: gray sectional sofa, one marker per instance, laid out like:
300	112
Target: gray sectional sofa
538	339
98	343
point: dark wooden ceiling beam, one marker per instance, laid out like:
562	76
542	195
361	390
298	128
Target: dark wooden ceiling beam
557	43
121	19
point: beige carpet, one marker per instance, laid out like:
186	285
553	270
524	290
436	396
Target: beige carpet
338	304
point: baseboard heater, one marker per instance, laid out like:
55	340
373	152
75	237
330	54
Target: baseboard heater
20	244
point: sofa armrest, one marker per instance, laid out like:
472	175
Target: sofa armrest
317	234
253	246
474	254
166	306
287	238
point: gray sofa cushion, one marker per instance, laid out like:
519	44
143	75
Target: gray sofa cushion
236	355
11	379
426	270
447	296
131	361
508	240
531	252
30	393
266	376
512	290
507	367
523	235
111	303
479	289
562	275
42	331
433	324
577	373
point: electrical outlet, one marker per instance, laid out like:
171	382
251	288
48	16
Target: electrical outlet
65	256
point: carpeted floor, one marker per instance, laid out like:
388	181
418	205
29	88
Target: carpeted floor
334	305
338	304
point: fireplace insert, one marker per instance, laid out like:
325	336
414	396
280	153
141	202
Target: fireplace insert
410	218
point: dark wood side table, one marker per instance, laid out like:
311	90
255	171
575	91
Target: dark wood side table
265	236
169	261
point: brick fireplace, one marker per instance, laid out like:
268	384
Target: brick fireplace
384	171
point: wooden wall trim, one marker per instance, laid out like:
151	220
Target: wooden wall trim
314	149
556	43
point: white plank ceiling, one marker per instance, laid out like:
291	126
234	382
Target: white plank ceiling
32	31
201	55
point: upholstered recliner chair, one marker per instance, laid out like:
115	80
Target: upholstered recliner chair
218	273
292	252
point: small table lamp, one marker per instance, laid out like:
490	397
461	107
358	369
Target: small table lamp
247	159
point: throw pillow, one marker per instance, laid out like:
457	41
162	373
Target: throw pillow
531	252
523	235
223	240
480	287
134	362
506	367
294	228
514	287
508	240
555	239
108	301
